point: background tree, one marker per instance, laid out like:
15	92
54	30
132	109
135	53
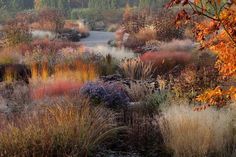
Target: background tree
16	32
78	3
103	4
52	19
56	4
152	4
17	5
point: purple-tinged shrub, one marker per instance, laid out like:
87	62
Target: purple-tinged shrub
111	94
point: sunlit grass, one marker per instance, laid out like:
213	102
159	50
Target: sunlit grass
78	71
60	130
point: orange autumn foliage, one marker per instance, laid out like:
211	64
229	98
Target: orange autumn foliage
217	33
216	97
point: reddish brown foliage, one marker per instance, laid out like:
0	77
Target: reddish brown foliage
55	89
165	61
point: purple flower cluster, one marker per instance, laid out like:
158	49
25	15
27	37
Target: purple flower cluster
111	94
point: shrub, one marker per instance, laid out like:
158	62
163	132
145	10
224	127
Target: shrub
91	15
165	61
74	14
58	88
112	15
9	57
165	26
194	79
136	69
107	66
133	42
59	130
15	96
191	80
16	33
154	101
146	34
50	19
76	25
152	45
188	133
111	95
112	27
46	46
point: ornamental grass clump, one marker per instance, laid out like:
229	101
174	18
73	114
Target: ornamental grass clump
197	134
136	69
58	130
138	91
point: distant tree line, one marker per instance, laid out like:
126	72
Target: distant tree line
8	8
16	4
152	4
70	4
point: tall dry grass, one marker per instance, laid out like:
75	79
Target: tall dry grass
59	130
197	134
147	33
77	71
136	69
139	91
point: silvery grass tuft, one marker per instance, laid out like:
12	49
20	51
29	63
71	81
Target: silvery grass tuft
197	134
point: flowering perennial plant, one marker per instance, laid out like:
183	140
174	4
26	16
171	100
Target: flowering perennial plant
112	94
